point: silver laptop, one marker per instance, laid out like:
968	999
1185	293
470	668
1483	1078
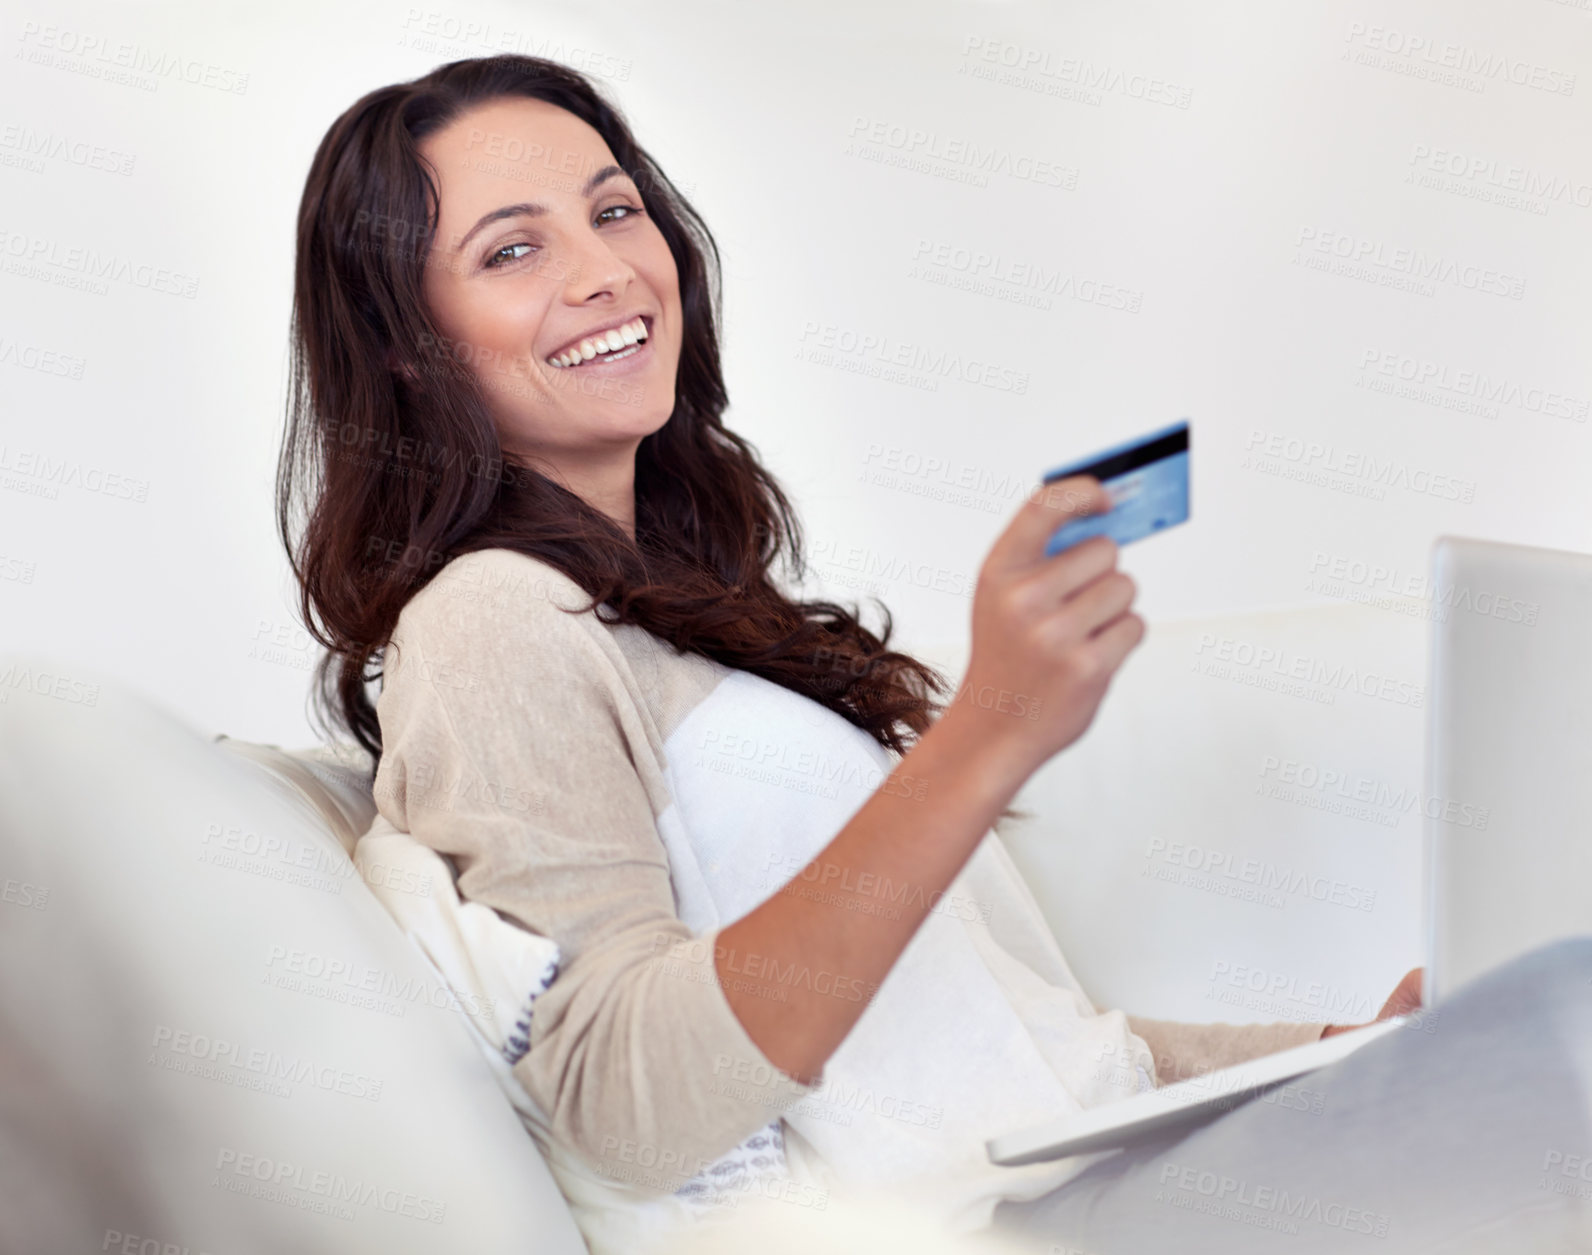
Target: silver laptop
1508	802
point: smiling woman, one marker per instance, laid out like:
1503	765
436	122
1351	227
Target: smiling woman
459	238
508	494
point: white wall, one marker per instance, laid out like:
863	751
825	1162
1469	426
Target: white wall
1252	125
1195	169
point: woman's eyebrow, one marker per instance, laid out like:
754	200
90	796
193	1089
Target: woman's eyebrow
531	209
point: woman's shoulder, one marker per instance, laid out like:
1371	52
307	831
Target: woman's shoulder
496	594
500	621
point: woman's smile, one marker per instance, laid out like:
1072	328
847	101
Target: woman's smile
619	348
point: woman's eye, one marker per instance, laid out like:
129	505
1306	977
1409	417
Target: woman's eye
498	258
630	211
507	253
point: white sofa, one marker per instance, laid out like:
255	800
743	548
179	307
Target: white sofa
214	1037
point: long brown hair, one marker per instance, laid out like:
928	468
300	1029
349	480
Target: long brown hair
386	475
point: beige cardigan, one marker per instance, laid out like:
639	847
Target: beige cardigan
529	745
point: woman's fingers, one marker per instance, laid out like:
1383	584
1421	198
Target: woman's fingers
1022	545
1099	603
1406	996
1114	643
1072	571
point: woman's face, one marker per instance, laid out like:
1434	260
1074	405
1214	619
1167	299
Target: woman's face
541	245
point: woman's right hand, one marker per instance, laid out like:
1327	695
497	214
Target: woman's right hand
1048	633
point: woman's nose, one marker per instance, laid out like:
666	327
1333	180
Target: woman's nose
594	267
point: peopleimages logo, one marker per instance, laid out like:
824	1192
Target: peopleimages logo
54	146
48	475
437	31
116	60
1072	78
1251	879
1462	59
1268	881
359	984
1283	995
1018	280
21	677
38	256
1248	1203
1358	257
47	361
261	1061
882	137
879	349
849	1098
829	875
1500	176
1486	390
832	557
1366	471
1351	786
1341	572
1286	664
272	1178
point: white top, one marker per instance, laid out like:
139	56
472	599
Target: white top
627	802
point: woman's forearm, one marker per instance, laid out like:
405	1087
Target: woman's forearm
800	969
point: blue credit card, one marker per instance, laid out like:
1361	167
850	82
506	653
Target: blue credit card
1147	480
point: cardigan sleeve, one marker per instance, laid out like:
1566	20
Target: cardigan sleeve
515	742
1184	1050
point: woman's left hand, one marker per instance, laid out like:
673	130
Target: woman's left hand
1404	999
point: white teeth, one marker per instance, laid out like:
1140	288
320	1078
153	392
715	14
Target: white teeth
614	341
